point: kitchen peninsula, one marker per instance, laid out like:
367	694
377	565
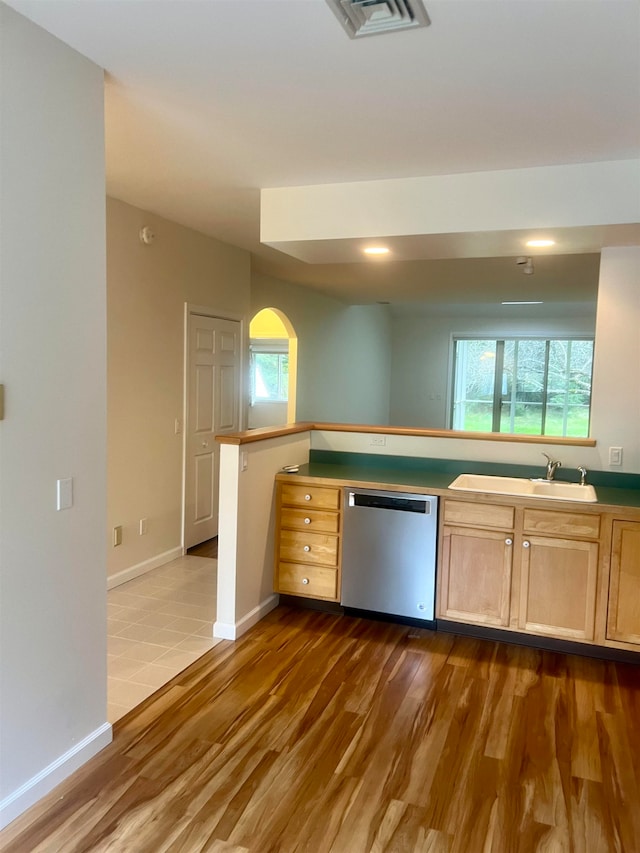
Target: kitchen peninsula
554	572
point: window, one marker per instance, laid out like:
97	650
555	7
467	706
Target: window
532	386
269	370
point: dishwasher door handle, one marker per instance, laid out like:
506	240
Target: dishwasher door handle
400	503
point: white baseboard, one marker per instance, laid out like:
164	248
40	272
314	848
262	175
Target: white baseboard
144	567
46	780
233	631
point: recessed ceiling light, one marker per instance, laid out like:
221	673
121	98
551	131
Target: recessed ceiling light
524	303
540	244
376	250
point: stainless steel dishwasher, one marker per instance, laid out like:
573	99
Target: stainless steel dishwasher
389	552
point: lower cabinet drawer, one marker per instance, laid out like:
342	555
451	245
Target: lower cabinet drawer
318	497
298	546
311	520
312	581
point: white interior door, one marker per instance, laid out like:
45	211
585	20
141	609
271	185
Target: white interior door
213	407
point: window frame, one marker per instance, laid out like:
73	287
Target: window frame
268	346
498	369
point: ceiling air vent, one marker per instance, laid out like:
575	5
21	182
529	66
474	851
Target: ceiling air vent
371	17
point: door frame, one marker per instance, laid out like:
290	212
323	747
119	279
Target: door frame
191	309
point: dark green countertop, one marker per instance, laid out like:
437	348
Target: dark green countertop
435	477
393	476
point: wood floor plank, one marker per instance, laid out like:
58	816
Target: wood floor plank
317	733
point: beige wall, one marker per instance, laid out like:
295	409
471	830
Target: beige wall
343	352
53	699
147	287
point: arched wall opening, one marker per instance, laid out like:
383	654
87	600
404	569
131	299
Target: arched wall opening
273	348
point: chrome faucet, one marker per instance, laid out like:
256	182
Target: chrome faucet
552	466
583	475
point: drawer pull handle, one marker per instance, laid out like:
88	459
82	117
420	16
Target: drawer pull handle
307	497
526	544
307	521
305	581
508	541
306	548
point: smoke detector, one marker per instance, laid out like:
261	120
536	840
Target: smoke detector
370	17
526	264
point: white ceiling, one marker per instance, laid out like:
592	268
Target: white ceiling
208	101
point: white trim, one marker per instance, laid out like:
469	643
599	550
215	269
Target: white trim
208	311
46	780
225	631
144	567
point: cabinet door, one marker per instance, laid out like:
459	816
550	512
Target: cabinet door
475	582
558	587
624	586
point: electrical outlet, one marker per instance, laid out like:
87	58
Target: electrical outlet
177	426
244	460
615	456
143	526
378	441
117	535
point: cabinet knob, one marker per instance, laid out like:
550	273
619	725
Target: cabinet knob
307	497
306	548
305	581
508	541
307	521
526	544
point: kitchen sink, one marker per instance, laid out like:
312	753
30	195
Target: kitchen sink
522	487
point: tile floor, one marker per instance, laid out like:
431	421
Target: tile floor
157	625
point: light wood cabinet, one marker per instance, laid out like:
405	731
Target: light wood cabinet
538	574
623	624
476	562
308	540
567	573
475	583
559	574
558	586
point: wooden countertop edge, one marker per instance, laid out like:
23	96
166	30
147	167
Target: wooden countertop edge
265	433
618	510
262	433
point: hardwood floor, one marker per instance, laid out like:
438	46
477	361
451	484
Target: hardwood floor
205	549
330	734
